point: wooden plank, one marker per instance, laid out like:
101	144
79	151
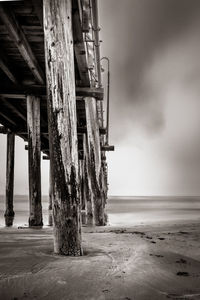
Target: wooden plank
9	213
6	68
21	42
95	160
20	91
34	146
62	125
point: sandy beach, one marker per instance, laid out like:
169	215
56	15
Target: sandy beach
144	262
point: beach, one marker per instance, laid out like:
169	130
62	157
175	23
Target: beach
149	261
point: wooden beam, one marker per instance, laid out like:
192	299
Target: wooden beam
4	130
79	45
13	108
10	126
84	130
9	213
7	118
97	93
22	116
103	130
107	148
34	146
20	92
18	36
37	5
62	125
6	68
45	157
80	130
86	16
45	150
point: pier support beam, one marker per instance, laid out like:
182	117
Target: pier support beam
95	160
89	201
59	55
82	191
34	161
9	213
50	196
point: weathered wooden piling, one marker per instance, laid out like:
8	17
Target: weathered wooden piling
95	159
59	56
9	213
82	191
57	30
89	199
34	160
50	197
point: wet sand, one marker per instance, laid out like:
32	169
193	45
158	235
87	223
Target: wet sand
159	261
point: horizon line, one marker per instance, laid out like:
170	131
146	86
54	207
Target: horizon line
128	196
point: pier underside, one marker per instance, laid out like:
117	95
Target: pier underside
52	97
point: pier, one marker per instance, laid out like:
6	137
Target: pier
51	95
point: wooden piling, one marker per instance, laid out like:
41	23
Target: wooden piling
59	55
50	196
89	199
95	160
9	213
82	191
34	145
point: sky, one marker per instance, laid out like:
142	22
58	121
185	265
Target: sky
154	51
154	48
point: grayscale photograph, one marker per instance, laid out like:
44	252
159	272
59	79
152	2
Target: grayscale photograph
99	149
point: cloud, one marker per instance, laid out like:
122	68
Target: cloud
138	34
155	73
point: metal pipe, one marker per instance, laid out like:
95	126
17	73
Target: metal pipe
108	99
96	29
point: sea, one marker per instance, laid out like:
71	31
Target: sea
122	211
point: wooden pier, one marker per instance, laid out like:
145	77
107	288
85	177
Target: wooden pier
51	96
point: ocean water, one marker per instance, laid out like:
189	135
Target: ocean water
123	211
130	211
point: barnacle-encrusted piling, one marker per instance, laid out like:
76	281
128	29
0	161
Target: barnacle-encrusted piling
34	160
59	52
9	213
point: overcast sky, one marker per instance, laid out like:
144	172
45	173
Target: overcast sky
154	48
